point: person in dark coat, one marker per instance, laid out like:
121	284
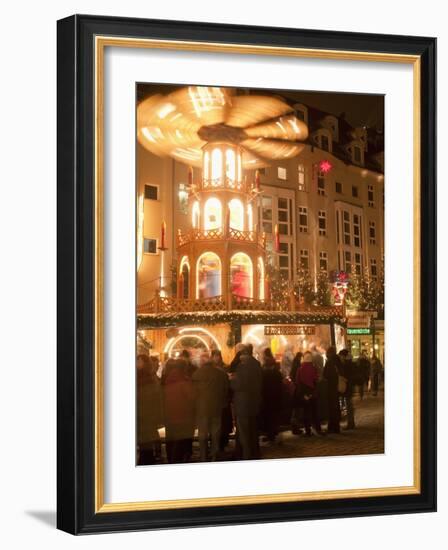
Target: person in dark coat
246	383
211	389
331	374
271	402
348	372
376	371
149	409
227	416
363	373
306	393
179	408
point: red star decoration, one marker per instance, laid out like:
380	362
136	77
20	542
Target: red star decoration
325	166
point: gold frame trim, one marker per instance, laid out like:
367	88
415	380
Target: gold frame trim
101	42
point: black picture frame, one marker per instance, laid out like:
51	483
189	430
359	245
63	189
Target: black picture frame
76	274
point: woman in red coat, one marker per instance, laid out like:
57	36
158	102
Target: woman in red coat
179	411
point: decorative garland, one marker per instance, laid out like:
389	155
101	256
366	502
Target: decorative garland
236	318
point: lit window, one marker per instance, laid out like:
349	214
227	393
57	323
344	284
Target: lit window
212	214
301	177
208	279
303	219
216	165
284	263
281	173
323	261
230	166
150	246
372	233
373	269
370	196
241	275
236	214
152	192
322	222
304	259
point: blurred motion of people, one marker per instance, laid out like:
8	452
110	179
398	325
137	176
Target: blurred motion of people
332	371
211	389
227	416
149	409
246	383
306	393
348	371
271	395
179	407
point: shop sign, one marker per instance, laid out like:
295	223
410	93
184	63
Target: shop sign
288	330
359	331
358	320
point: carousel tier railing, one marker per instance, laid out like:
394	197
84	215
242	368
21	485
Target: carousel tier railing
194	235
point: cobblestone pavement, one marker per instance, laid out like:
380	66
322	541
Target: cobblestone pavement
367	438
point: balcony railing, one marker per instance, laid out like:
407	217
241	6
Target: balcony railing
225	183
164	304
218	234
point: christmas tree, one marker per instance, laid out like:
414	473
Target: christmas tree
304	287
323	295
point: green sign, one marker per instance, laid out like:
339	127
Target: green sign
358	331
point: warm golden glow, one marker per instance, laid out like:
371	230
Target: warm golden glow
181	123
230	165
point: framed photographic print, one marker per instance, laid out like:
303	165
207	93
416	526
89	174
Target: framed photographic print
246	274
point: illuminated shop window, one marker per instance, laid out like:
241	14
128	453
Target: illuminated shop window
241	275
208	276
206	165
212	214
236	214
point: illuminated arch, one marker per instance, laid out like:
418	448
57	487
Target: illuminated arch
261	276
184	278
236	214
208	276
196	332
212	214
195	213
241	275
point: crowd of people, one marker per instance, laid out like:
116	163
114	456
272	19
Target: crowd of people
249	398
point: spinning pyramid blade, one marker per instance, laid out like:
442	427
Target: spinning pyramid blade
287	127
247	110
272	149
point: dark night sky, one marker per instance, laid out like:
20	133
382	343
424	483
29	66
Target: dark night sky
360	109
